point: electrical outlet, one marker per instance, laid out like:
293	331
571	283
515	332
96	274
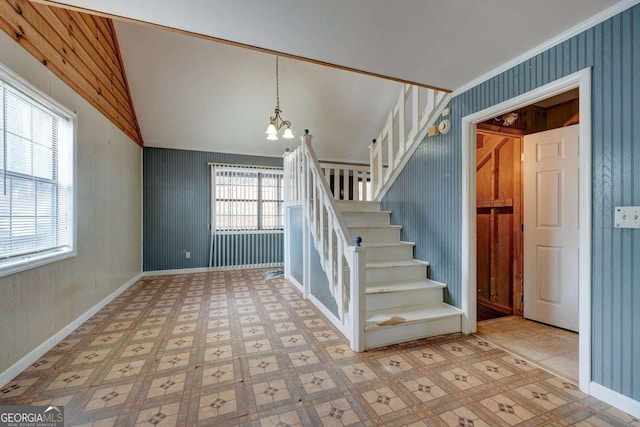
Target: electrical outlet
627	217
187	254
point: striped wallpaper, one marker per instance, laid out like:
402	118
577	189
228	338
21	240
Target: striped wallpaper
176	204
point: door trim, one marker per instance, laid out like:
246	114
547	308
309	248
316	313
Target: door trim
581	80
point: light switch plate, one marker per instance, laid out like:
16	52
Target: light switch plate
627	217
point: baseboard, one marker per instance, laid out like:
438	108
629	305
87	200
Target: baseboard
22	364
613	398
330	316
208	269
295	283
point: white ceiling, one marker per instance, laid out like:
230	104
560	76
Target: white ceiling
197	94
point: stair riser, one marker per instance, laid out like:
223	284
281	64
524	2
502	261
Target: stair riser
351	206
366	219
387	300
376	235
379	337
396	274
393	253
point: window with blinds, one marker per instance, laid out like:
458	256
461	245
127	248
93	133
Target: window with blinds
36	177
247	198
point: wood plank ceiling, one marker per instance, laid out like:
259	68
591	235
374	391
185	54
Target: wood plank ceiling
82	50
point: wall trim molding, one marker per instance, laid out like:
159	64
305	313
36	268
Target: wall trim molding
22	364
581	80
330	316
208	269
615	399
295	282
566	35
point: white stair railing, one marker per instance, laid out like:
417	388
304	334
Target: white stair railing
342	259
406	126
348	182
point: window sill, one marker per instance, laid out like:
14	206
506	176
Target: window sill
17	265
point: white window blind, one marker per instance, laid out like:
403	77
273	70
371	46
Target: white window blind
246	198
36	178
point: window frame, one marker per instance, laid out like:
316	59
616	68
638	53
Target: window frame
20	263
259	171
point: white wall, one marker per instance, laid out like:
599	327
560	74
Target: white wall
37	303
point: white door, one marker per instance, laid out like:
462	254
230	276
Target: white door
551	227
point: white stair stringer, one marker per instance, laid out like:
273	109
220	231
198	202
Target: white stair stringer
402	304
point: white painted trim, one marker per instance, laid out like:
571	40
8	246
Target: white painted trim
208	269
582	80
22	364
616	399
331	317
295	282
566	35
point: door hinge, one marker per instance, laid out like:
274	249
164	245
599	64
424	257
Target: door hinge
522	157
522	227
522	298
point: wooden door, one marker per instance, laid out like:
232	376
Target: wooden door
498	209
551	227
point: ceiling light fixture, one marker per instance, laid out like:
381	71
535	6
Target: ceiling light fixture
507	119
276	123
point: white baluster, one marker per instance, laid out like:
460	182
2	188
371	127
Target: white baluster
401	135
389	147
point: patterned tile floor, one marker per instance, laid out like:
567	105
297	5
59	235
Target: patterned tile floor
229	348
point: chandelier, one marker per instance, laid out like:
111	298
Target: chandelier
277	123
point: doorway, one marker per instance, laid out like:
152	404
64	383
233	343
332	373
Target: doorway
526	192
581	81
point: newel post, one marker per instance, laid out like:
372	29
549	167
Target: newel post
305	140
358	295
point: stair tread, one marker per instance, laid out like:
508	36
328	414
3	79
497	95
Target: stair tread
417	313
352	202
375	226
387	244
398	263
365	212
388	287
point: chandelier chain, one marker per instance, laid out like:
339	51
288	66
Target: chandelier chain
276	122
277	85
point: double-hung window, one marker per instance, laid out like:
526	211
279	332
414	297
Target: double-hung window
247	198
36	177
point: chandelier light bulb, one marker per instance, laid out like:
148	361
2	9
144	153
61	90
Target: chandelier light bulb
288	134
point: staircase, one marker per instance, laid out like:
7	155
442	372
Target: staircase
382	294
402	304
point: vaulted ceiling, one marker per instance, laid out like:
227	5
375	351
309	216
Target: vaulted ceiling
197	94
